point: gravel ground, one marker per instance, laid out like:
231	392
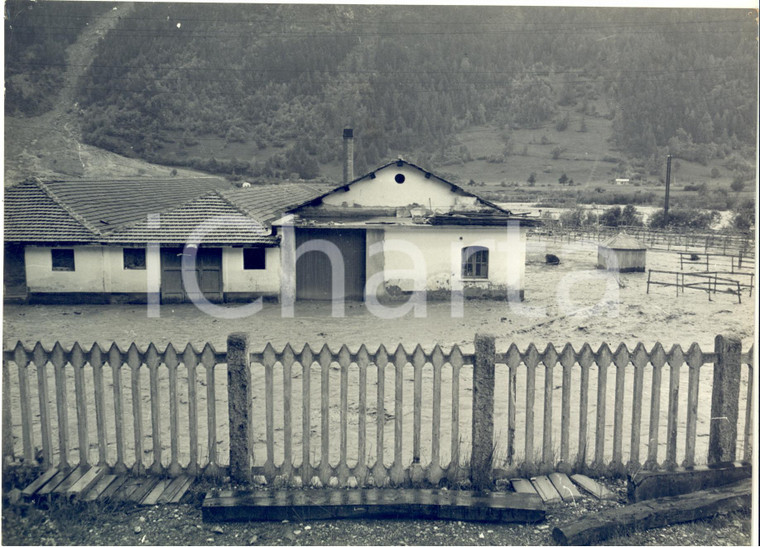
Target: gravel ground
66	523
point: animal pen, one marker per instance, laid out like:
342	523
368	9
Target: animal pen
382	417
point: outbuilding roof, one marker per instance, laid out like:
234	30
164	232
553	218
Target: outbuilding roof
623	242
268	202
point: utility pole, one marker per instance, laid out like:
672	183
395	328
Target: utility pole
667	191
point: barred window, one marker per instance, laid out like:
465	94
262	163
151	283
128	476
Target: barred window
475	262
134	259
63	260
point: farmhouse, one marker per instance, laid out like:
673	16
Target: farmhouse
395	231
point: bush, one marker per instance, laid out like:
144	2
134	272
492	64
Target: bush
714	173
692	219
738	185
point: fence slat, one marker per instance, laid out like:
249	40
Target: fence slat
639	358
288	357
22	362
58	358
675	359
567	360
748	416
172	363
360	471
268	361
7	418
550	360
325	359
40	360
307	358
513	361
434	471
694	361
115	359
456	360
658	359
208	360
418	361
344	360
603	360
379	472
134	361
190	359
531	362
77	362
621	359
152	360
397	470
585	358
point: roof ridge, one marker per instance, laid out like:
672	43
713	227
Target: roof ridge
58	201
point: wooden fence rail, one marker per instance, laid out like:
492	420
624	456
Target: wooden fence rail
377	417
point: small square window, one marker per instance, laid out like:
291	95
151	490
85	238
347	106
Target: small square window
254	258
63	260
134	259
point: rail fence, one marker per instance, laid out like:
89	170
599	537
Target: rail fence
377	417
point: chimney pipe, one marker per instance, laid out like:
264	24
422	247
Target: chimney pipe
667	192
348	155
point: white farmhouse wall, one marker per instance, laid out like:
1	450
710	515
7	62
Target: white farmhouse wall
440	250
384	191
98	269
238	280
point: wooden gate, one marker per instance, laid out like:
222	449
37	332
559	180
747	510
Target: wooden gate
208	272
314	270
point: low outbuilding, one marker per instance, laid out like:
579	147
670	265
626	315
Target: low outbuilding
622	253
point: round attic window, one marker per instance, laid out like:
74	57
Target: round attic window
400	178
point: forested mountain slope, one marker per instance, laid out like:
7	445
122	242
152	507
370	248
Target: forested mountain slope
265	90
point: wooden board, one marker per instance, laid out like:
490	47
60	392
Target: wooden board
87	481
73	477
391	503
113	488
654	484
95	492
143	488
597	490
565	487
176	489
53	483
39	482
154	494
546	489
593	528
523	486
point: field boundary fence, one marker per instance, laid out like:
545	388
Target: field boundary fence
377	417
741	246
709	282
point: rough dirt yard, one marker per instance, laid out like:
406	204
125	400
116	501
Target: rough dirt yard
69	524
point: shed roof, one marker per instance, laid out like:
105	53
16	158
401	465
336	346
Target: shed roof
268	202
623	242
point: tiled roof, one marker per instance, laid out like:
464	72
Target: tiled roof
107	204
32	215
268	202
209	219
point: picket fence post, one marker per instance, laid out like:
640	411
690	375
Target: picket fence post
724	412
482	411
238	394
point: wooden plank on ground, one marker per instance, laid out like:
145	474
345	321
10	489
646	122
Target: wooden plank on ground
73	477
39	482
154	494
655	513
99	488
391	503
546	489
597	490
523	486
172	489
565	487
654	484
53	483
181	490
113	488
142	489
87	481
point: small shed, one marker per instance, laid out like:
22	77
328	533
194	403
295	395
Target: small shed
622	253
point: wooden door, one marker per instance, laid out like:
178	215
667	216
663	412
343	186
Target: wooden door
208	273
314	270
14	272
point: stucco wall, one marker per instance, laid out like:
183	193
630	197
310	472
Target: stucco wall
238	280
440	261
384	191
97	269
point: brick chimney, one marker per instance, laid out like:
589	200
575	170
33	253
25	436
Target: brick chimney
348	155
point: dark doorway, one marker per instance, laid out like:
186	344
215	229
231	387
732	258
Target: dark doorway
14	273
314	270
208	272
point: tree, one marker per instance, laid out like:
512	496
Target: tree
532	179
738	185
563	178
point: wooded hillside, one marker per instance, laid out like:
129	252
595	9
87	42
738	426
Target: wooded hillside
265	90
